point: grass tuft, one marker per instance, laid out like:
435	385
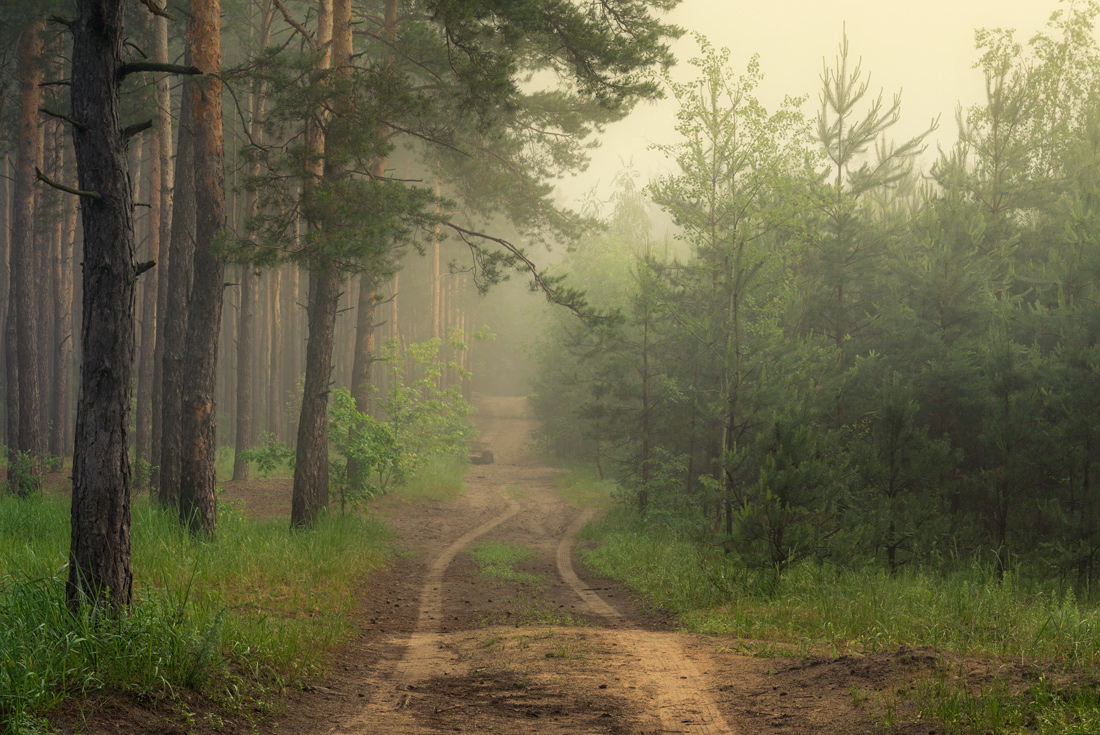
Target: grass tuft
496	562
254	609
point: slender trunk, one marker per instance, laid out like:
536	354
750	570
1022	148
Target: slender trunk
164	149
149	297
5	292
27	391
311	466
198	505
56	291
275	356
246	330
66	334
245	359
174	321
364	343
310	494
99	557
364	357
43	306
437	328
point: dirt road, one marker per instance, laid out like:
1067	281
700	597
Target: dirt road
444	649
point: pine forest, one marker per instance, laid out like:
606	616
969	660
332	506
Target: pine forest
298	296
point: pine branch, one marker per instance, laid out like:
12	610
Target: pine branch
132	130
68	189
133	67
156	10
78	125
569	298
294	24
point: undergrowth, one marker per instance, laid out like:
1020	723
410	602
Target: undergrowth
235	618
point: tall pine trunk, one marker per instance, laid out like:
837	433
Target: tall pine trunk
99	556
174	321
198	505
26	390
149	298
310	493
164	150
246	330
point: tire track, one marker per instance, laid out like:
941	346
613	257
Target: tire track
682	705
425	653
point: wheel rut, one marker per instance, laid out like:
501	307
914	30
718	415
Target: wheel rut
607	675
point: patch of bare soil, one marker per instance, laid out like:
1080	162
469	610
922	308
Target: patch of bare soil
442	649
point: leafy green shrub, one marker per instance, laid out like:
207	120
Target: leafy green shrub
426	419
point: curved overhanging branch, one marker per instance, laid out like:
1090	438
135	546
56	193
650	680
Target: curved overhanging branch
61	187
570	299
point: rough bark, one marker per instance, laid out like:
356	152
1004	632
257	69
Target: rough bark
174	322
198	505
99	556
310	493
26	390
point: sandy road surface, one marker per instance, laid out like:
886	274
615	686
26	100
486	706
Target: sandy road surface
606	675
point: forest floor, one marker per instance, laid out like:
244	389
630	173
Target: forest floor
540	646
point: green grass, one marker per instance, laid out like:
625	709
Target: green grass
582	487
816	607
496	562
438	479
254	609
866	610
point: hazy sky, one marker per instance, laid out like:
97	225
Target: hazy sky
924	48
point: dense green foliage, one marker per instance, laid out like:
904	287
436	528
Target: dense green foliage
422	427
841	361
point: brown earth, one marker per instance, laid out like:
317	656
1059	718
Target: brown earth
442	649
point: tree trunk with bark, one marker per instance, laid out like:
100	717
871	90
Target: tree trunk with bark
26	391
10	430
275	356
99	556
149	297
174	321
67	335
245	359
163	131
56	292
310	494
198	505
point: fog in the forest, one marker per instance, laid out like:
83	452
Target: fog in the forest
925	50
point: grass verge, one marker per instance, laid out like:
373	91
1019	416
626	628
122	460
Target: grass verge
816	607
236	618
